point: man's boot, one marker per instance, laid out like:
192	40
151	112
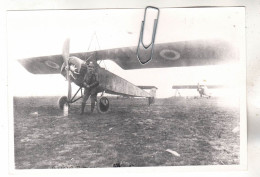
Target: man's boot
92	107
82	108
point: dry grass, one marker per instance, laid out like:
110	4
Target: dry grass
131	134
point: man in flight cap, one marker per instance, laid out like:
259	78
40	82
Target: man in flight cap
90	84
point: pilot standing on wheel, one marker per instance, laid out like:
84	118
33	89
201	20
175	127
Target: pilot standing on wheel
90	84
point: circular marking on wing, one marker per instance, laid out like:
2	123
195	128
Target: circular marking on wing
52	64
170	54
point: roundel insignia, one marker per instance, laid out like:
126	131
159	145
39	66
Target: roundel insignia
52	64
170	54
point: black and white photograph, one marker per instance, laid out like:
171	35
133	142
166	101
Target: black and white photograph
112	88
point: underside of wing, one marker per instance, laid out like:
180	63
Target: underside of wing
216	86
116	85
175	54
43	65
196	86
184	87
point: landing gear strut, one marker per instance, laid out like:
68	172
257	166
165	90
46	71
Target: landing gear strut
64	101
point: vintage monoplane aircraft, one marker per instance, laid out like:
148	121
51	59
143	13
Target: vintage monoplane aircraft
202	88
175	54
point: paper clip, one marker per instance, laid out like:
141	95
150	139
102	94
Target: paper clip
153	35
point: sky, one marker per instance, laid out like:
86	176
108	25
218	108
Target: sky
40	33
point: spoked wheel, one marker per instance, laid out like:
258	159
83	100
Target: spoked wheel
63	101
103	105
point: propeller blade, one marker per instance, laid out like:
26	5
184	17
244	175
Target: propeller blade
62	67
69	89
66	55
66	51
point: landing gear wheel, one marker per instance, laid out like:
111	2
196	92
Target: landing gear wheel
63	101
103	105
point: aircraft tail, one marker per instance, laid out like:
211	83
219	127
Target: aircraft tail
153	95
152	92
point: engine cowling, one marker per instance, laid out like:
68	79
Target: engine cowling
78	69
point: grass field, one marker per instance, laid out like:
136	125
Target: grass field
200	131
